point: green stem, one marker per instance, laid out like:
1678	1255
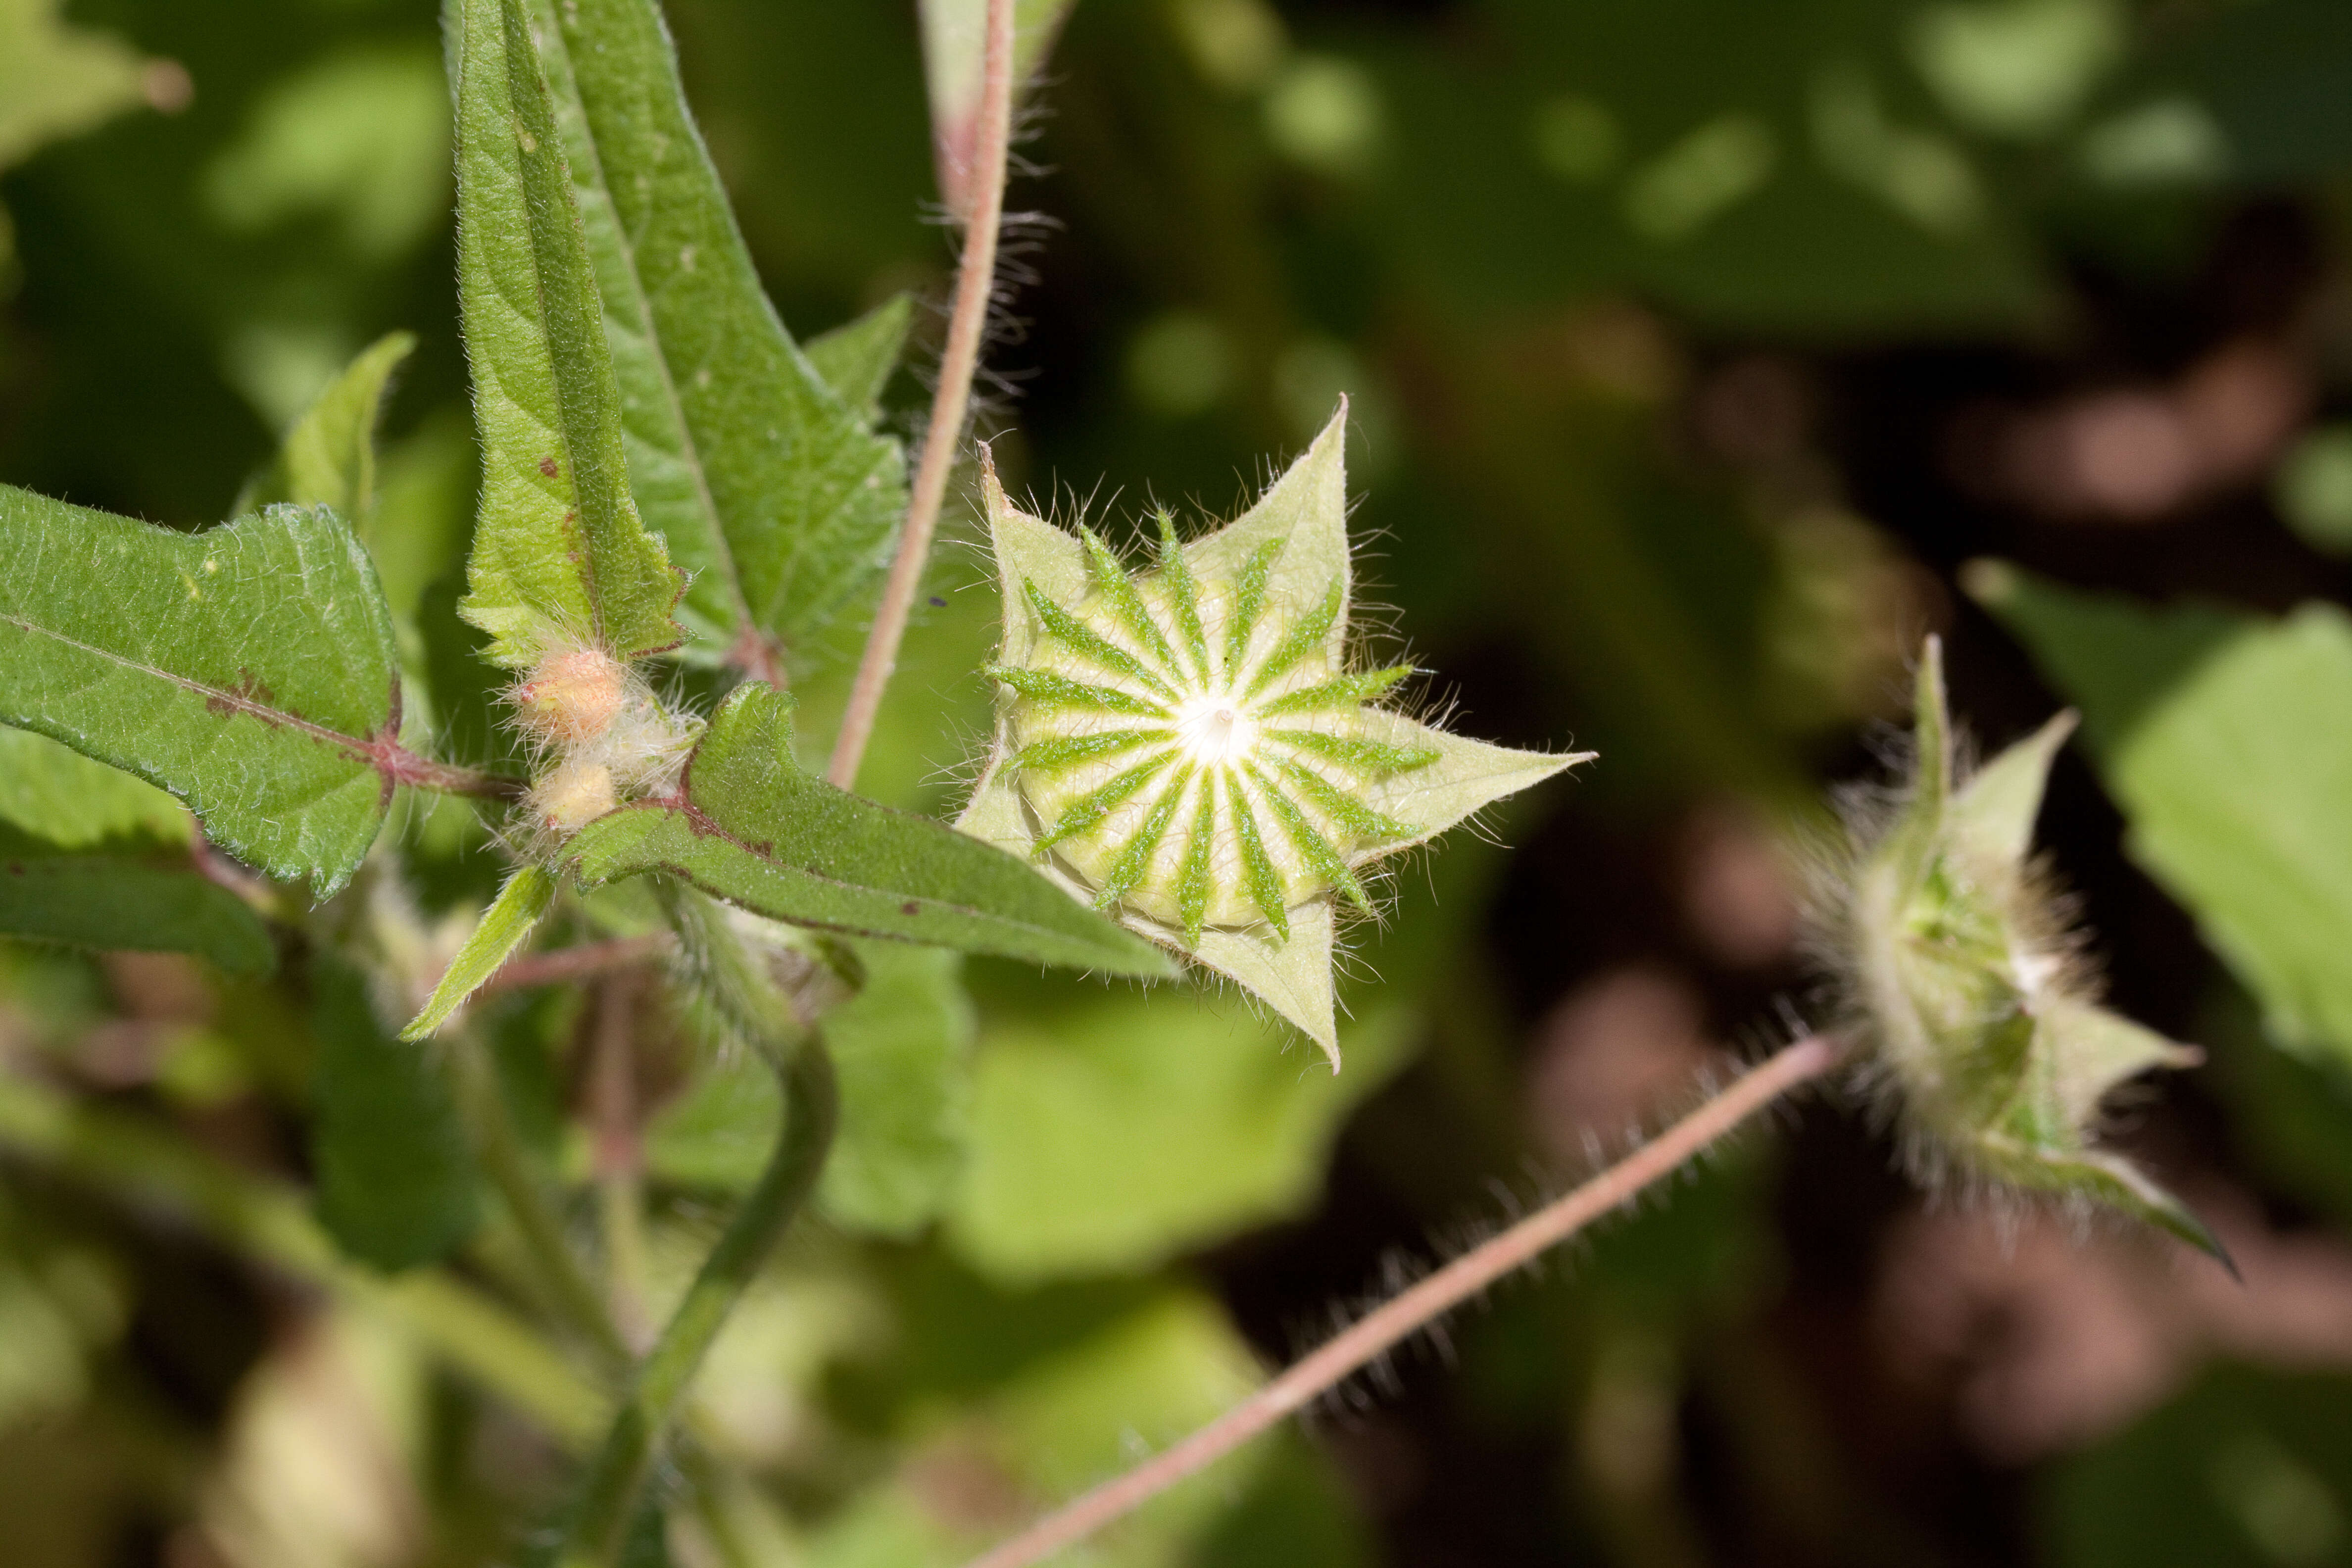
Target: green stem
617	1475
482	1102
146	1166
713	960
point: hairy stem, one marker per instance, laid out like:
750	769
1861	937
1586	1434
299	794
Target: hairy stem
712	958
584	962
482	1102
609	1497
967	326
1407	1314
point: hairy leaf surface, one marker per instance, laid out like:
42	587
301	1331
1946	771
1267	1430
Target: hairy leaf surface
560	552
508	921
250	669
748	826
771	490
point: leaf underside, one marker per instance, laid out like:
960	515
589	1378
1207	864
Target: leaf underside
504	927
250	669
747	825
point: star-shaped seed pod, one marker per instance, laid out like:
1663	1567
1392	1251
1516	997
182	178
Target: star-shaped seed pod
1189	748
1971	993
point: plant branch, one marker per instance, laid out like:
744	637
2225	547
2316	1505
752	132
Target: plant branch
481	1101
967	327
582	962
615	1480
1408	1313
398	764
737	984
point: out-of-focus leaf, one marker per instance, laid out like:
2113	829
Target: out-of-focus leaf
776	498
1065	1422
329	457
2272	75
55	793
361	136
955	59
748	826
901	1047
560	552
1123	1132
56	79
397	1183
856	357
505	925
2228	743
249	670
119	901
2246	1469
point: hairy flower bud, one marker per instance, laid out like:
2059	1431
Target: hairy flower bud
571	696
1968	991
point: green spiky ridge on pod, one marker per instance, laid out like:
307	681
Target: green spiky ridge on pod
1969	993
1186	745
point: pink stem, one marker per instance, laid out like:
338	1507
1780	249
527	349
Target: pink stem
1408	1313
975	276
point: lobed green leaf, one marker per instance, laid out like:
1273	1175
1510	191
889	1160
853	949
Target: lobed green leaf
250	669
760	467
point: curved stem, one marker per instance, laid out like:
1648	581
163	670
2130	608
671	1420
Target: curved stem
975	278
617	1477
1408	1313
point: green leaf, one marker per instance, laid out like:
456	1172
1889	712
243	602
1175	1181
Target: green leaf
856	357
250	669
109	900
776	497
749	826
560	552
397	1182
56	79
55	793
2227	741
329	457
505	924
1123	1132
902	1048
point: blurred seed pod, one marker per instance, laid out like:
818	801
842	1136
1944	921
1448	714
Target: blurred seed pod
1965	988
